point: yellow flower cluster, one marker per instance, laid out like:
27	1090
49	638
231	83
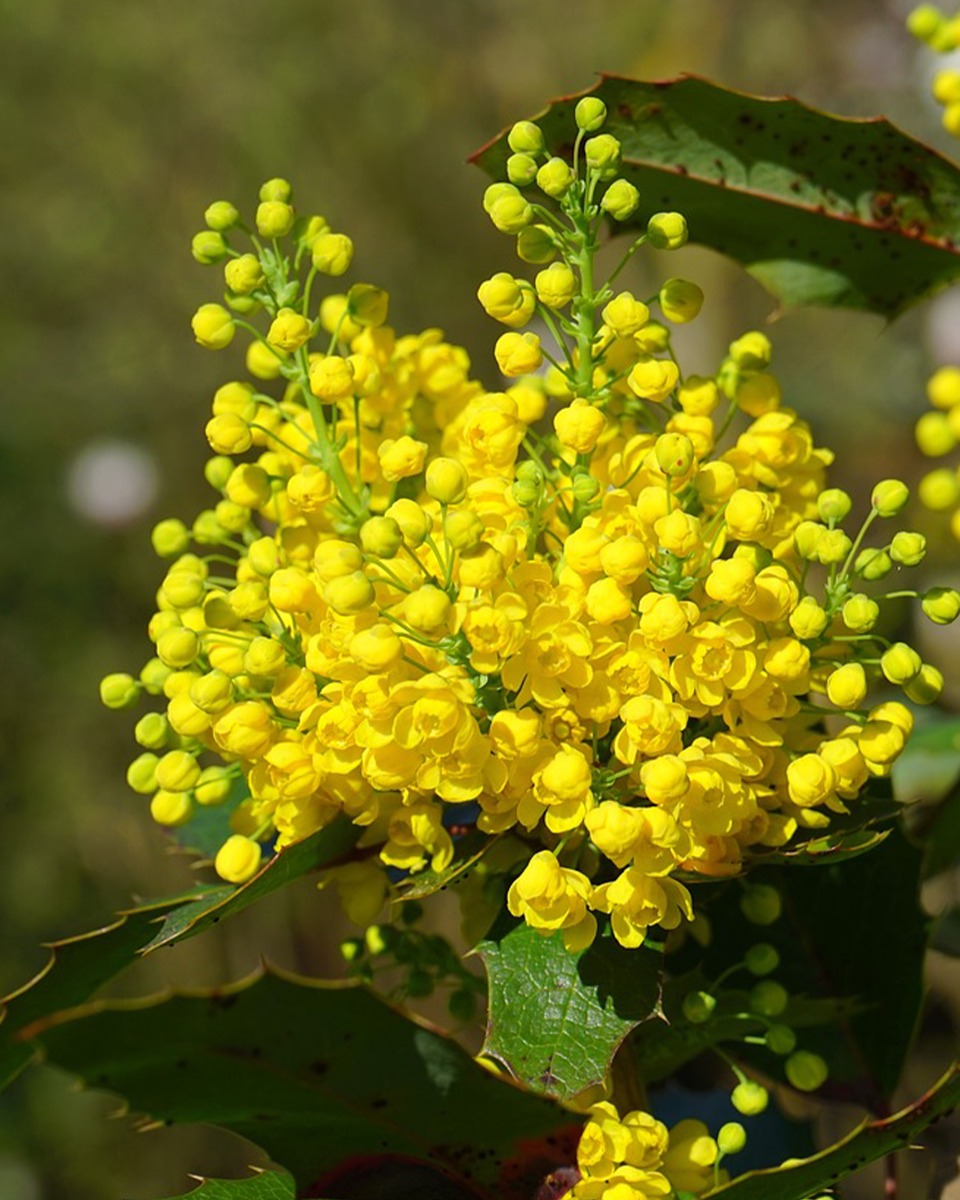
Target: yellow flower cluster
577	609
635	1156
942	34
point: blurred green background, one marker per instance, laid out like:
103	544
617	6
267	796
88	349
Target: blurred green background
119	123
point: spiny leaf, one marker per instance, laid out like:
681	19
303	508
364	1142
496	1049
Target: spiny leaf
820	209
318	1074
318	850
556	1019
867	1143
266	1185
76	968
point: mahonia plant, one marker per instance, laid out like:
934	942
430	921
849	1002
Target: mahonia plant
639	641
610	621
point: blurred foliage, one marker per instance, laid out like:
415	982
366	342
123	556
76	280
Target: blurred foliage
119	124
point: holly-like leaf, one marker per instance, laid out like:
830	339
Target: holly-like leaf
468	851
820	209
878	967
327	1078
209	827
556	1019
76	969
265	1185
318	850
867	1143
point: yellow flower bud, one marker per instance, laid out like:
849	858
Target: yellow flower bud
289	330
178	647
556	286
171	808
674	453
810	780
381	537
847	686
264	656
510	212
873	564
221	215
607	601
275	189
679	532
349	594
834	505
377	648
620	200
680	300
833	546
427	609
900	663
555	178
934	434
698	395
228	434
653	378
446	480
860	613
238	859
463	529
368	305
413	521
625	315
748	515
274	218
119	690
243	275
213	787
941	605
263	361
664	779
525	138
908	548
212	692
926	686
508	300
142	774
401	457
536	244
667	231
943	386
518	354
579	425
177	771
292	590
331	378
213	326
939	490
332	253
602	154
590	114
152	731
889	497
521	169
757	393
208	247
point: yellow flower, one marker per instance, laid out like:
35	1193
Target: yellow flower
635	901
550	898
579	426
401	457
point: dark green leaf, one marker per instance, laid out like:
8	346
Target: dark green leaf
556	1019
267	1185
820	209
316	1074
872	1140
318	850
77	967
209	827
469	850
852	931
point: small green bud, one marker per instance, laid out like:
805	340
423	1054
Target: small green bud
142	774
602	154
872	564
761	903
749	1098
833	505
732	1138
769	998
806	538
806	1071
217	471
890	497
275	189
525	138
585	487
590	114
521	169
620	200
208	247
667	231
939	490
925	22
762	958
170	537
351	949
908	548
926	685
941	605
698	1007
674	453
119	690
221	216
780	1039
535	244
152	731
555	178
